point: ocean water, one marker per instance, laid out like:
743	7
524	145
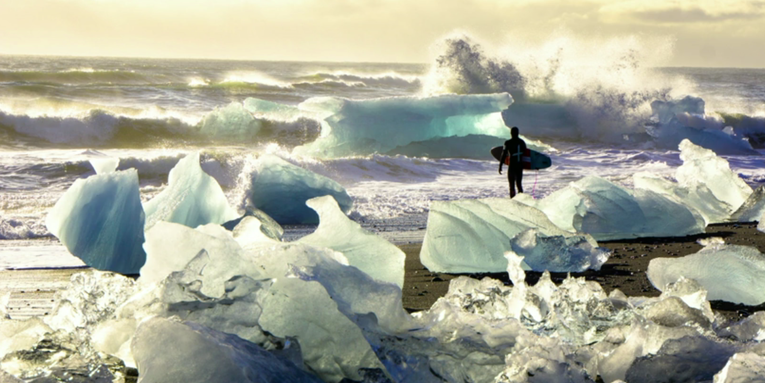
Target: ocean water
57	112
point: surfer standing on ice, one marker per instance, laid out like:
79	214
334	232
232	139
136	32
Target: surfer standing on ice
514	147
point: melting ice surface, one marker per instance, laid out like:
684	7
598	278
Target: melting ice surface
296	311
192	198
100	220
378	126
728	272
318	309
473	235
281	189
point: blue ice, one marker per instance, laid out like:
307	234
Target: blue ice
100	220
191	198
381	125
281	189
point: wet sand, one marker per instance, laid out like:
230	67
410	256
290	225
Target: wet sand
625	270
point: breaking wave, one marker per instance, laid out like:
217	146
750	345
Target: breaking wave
232	125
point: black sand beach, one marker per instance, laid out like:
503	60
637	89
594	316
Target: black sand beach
625	270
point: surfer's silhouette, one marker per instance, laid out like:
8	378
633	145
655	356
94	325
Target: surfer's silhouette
515	147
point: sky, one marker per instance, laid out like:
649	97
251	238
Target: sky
703	33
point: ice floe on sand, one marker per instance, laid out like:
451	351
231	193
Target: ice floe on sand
250	307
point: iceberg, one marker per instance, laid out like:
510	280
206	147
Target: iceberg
100	220
728	272
362	127
364	250
159	344
281	189
685	120
191	198
473	236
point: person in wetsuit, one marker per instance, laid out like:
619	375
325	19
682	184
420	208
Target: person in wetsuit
514	147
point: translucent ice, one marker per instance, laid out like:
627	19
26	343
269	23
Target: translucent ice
245	291
473	235
364	250
377	126
697	197
608	211
728	272
743	367
104	164
752	209
191	198
160	345
702	166
170	247
100	220
281	189
559	253
685	119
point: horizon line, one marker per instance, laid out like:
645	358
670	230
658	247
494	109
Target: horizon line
74	56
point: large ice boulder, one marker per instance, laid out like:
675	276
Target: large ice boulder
191	198
473	236
100	220
280	189
358	127
159	344
706	183
608	211
364	250
702	166
244	286
728	272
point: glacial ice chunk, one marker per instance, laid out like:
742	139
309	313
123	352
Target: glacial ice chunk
364	250
685	119
281	189
191	198
246	291
104	164
687	359
696	197
171	246
607	211
357	127
702	166
558	253
100	220
473	236
742	367
728	272
161	345
752	209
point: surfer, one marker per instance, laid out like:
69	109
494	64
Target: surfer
514	147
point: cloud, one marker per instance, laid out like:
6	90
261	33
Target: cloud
682	12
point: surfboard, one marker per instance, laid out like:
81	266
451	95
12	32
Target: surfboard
532	159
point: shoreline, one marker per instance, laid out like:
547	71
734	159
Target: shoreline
624	270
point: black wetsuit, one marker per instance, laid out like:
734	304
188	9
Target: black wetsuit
514	147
